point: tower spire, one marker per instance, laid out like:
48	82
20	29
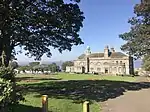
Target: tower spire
88	50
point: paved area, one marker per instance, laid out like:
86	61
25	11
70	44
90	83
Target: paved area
131	101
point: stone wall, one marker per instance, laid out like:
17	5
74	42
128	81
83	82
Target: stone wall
70	69
103	65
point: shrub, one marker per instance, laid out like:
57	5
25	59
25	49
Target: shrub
9	94
136	72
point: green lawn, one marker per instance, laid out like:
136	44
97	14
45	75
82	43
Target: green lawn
54	105
67	92
65	76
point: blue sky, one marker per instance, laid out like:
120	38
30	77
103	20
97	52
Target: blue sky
104	21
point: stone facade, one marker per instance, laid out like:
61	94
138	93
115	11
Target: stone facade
109	62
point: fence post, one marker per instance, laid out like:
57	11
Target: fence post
44	103
86	106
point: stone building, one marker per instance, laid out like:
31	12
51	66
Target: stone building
108	62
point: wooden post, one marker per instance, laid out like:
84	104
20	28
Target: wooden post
44	103
86	106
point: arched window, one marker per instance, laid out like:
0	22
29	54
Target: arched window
120	62
98	64
81	64
105	63
91	63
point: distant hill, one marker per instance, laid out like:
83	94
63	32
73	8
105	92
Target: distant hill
137	63
59	63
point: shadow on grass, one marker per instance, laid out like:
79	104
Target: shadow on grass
81	90
25	108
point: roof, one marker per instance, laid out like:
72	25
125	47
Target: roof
117	55
98	55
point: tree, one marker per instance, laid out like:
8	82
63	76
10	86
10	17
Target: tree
42	67
35	25
67	63
10	95
32	64
53	67
14	64
146	63
24	68
138	38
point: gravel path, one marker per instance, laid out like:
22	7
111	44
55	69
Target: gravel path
131	101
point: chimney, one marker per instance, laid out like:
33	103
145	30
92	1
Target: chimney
106	52
112	50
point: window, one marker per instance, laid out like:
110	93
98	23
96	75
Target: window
91	63
98	69
116	62
110	70
115	69
105	63
92	69
120	70
79	68
120	62
81	64
98	64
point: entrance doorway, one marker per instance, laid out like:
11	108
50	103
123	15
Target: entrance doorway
106	70
83	69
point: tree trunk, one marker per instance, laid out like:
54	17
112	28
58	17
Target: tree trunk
5	57
5	53
5	49
1	46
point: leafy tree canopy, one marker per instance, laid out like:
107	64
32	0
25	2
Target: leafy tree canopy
23	68
35	25
146	63
32	64
138	38
67	63
53	67
14	64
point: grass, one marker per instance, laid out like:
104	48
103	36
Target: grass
67	92
55	105
66	76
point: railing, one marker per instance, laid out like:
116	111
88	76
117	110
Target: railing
45	104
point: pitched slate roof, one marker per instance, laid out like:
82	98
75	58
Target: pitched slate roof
97	55
117	55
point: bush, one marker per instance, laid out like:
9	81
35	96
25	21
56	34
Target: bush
8	91
136	72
